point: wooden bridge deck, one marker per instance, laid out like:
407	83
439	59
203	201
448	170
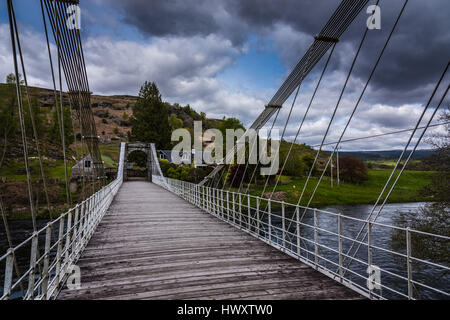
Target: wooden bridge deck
152	244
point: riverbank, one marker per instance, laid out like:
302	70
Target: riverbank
408	189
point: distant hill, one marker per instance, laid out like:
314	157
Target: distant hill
386	154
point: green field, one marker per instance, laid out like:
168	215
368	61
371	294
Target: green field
407	189
14	170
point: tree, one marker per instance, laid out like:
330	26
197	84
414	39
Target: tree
230	123
434	216
174	122
294	165
11	79
149	122
439	187
352	169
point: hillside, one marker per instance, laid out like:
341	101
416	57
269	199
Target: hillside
111	112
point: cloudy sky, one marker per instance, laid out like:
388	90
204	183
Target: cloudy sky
229	57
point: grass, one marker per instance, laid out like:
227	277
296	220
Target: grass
14	170
407	189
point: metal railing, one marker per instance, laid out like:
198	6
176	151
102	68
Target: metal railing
322	240
55	248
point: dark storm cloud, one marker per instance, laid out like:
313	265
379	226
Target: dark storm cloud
416	55
182	18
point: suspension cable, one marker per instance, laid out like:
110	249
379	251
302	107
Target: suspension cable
399	160
268	137
303	120
21	119
334	112
30	109
360	98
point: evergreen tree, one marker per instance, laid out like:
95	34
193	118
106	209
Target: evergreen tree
149	122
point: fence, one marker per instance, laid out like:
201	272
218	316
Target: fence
63	239
321	240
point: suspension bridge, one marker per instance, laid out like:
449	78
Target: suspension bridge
171	239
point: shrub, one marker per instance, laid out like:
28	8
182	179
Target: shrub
352	169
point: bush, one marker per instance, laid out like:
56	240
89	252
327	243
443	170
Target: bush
352	169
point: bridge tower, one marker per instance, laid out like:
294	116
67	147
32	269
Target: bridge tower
130	147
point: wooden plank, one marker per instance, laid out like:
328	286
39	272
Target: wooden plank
152	244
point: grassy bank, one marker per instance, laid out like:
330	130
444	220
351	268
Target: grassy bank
407	189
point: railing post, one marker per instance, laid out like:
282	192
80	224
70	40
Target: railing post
210	200
84	209
228	205
207	199
409	265
248	213
222	206
8	273
297	217
217	202
316	246
31	275
240	209
369	252
213	199
269	218
204	197
341	273
59	250
69	226
233	206
75	232
283	223
45	276
258	200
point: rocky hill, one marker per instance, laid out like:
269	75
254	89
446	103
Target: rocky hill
112	113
